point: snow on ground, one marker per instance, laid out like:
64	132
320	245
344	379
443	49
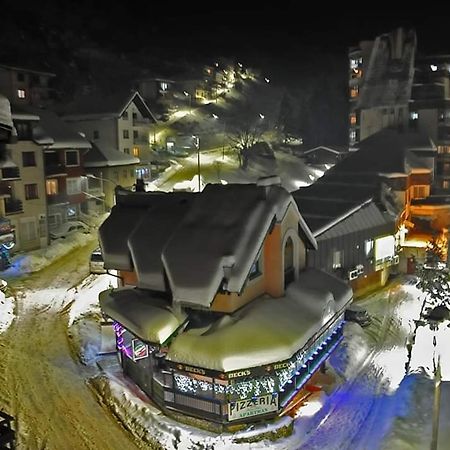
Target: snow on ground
6	312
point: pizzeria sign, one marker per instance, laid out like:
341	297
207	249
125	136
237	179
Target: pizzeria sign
250	407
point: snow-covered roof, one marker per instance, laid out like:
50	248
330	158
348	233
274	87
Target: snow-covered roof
148	317
62	135
267	330
198	240
5	113
104	156
98	105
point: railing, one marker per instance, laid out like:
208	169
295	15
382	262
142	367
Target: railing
57	199
55	169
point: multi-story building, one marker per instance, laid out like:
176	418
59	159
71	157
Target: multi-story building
121	122
64	151
391	86
430	111
27	205
218	317
25	86
380	81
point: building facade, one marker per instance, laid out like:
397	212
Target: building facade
122	122
25	87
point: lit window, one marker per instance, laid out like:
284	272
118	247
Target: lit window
352	135
164	86
136	151
443	149
446	184
414	115
433	67
21	93
353	119
354	92
51	187
72	158
337	259
420	191
255	270
73	186
368	247
31	191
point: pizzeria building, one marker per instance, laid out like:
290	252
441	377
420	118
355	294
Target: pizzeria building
218	316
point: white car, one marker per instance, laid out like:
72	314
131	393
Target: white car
96	263
69	228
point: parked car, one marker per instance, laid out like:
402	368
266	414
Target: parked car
360	316
69	228
96	263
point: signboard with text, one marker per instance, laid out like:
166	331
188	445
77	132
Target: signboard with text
256	406
140	350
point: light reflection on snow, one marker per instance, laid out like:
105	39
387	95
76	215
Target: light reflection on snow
310	408
391	366
423	350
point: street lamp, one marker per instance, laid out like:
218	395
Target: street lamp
197	145
190	100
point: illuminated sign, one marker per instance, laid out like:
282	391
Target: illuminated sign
140	350
252	407
238	374
384	247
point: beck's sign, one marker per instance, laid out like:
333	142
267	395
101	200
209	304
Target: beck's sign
256	406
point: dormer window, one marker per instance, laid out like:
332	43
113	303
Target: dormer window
255	270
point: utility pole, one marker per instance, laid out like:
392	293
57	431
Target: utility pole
197	144
436	405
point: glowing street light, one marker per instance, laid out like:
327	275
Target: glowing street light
190	100
261	116
267	80
197	145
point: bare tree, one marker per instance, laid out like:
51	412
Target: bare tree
242	138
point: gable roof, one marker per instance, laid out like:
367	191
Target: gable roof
198	240
98	105
104	156
355	180
328	148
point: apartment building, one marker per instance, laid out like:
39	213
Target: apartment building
121	122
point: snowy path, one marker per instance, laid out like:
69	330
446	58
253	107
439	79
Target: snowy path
41	384
360	414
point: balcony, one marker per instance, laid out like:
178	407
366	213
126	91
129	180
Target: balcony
10	173
141	140
13	206
55	169
57	199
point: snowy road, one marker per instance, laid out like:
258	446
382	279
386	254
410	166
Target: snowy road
379	406
41	383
